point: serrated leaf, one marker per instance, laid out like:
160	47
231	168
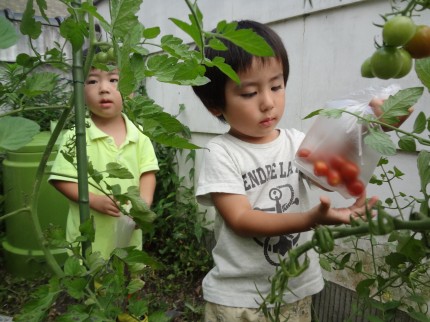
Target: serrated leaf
116	170
74	31
10	138
226	69
312	114
42	7
398	104
407	143
29	26
73	267
138	256
190	29
217	44
136	284
248	40
75	287
422	68
8	34
39	83
380	142
420	123
123	15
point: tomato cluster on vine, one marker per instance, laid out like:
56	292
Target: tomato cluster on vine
337	170
105	56
403	41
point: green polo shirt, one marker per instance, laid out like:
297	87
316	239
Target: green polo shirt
136	154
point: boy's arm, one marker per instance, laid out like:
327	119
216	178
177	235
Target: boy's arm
147	187
100	203
245	221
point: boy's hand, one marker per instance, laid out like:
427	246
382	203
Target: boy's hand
105	205
334	216
376	104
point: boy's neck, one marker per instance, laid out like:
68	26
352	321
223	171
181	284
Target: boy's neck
114	127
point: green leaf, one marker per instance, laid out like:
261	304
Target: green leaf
217	44
42	7
395	259
39	83
312	114
116	170
374	318
136	284
398	104
138	256
29	26
325	264
75	32
420	123
407	143
10	138
363	287
333	113
422	68
8	34
75	287
73	267
25	60
225	68
380	142
190	29
247	39
423	163
151	33
123	15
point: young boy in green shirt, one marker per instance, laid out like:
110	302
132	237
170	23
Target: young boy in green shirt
111	137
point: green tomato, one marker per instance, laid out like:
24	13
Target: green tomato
366	69
386	62
111	54
407	63
101	57
398	31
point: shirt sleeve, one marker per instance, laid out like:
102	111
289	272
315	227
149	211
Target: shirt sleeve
148	160
219	173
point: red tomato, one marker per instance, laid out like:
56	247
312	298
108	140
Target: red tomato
355	188
337	161
333	177
303	153
320	168
349	171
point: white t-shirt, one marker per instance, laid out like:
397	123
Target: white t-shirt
265	173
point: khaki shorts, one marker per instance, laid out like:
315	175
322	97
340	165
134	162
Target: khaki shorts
299	311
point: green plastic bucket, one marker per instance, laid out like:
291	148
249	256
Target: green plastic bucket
22	252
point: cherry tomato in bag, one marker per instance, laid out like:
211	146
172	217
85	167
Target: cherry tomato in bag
333	177
349	171
355	188
320	168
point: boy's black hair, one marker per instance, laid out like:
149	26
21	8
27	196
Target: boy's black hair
212	94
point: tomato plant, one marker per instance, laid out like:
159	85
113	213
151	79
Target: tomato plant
386	62
419	45
320	168
398	30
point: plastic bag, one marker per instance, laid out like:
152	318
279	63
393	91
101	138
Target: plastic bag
333	153
124	229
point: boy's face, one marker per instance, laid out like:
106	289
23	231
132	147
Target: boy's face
101	94
255	106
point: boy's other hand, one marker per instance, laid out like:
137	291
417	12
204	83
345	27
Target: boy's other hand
376	104
105	205
335	216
